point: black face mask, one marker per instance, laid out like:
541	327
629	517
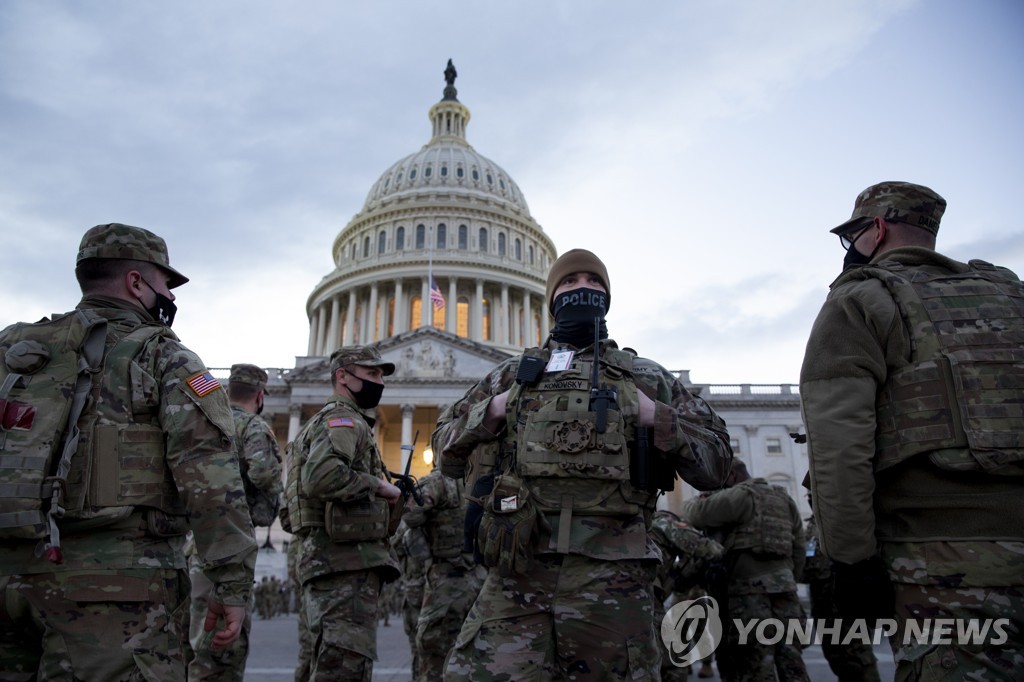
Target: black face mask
575	313
368	395
855	258
163	310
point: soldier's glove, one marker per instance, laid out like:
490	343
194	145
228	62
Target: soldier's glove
474	515
508	527
863	590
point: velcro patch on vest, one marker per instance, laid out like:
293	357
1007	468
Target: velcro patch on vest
203	383
564	385
340	421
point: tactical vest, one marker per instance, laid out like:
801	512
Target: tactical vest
263	505
77	444
769	530
961	398
445	530
568	467
355	521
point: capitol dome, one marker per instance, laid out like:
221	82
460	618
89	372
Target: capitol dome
445	225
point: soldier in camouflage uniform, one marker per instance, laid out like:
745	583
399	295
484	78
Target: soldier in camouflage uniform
762	533
451	581
413	553
911	387
111	603
565	530
305	641
339	509
259	459
685	555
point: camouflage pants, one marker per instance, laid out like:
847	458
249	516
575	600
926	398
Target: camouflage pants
448	594
954	661
571	617
851	662
753	661
208	663
86	625
341	610
412	601
305	662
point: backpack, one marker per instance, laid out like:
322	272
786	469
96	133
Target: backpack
46	375
263	504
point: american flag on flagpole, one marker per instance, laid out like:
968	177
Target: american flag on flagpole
436	297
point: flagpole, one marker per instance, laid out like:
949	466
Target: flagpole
429	303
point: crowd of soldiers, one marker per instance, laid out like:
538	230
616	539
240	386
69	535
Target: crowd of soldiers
274	597
536	550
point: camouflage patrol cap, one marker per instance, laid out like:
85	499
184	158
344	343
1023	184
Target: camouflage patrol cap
899	202
115	240
248	374
576	260
365	356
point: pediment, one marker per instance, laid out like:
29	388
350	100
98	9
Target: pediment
420	355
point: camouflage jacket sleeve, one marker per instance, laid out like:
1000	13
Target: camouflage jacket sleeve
342	464
435	491
856	336
465	429
197	424
685	426
719	510
261	455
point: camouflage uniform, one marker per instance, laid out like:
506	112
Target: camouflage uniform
305	657
334	471
763	537
685	554
567	593
259	458
853	661
413	553
452	581
117	607
923	470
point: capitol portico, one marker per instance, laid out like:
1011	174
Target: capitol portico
445	223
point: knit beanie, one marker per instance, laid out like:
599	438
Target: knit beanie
576	260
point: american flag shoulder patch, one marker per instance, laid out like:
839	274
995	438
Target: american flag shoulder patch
335	422
203	383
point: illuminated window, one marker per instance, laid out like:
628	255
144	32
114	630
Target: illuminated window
486	308
439	317
462	317
391	316
536	329
416	313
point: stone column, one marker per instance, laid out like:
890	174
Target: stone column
529	332
407	414
321	339
400	323
503	334
332	330
452	306
477	333
350	319
294	417
314	331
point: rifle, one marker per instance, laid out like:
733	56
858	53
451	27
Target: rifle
602	397
407	484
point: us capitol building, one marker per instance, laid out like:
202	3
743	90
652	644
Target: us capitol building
449	216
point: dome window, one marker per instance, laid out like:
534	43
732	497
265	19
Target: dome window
366	247
501	243
426	172
421	236
483	238
412	174
442	236
444	171
387	181
459	172
382	241
398	180
463	237
490	180
400	239
501	182
476	175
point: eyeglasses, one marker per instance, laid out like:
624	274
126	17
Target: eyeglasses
848	239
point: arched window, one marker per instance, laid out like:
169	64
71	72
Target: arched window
536	329
427	171
391	316
444	171
415	313
352	251
463	237
459	172
366	247
442	236
519	249
421	236
483	240
382	240
400	239
529	253
501	243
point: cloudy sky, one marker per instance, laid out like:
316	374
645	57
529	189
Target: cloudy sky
702	149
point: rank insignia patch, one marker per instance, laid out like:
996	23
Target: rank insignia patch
203	383
340	421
